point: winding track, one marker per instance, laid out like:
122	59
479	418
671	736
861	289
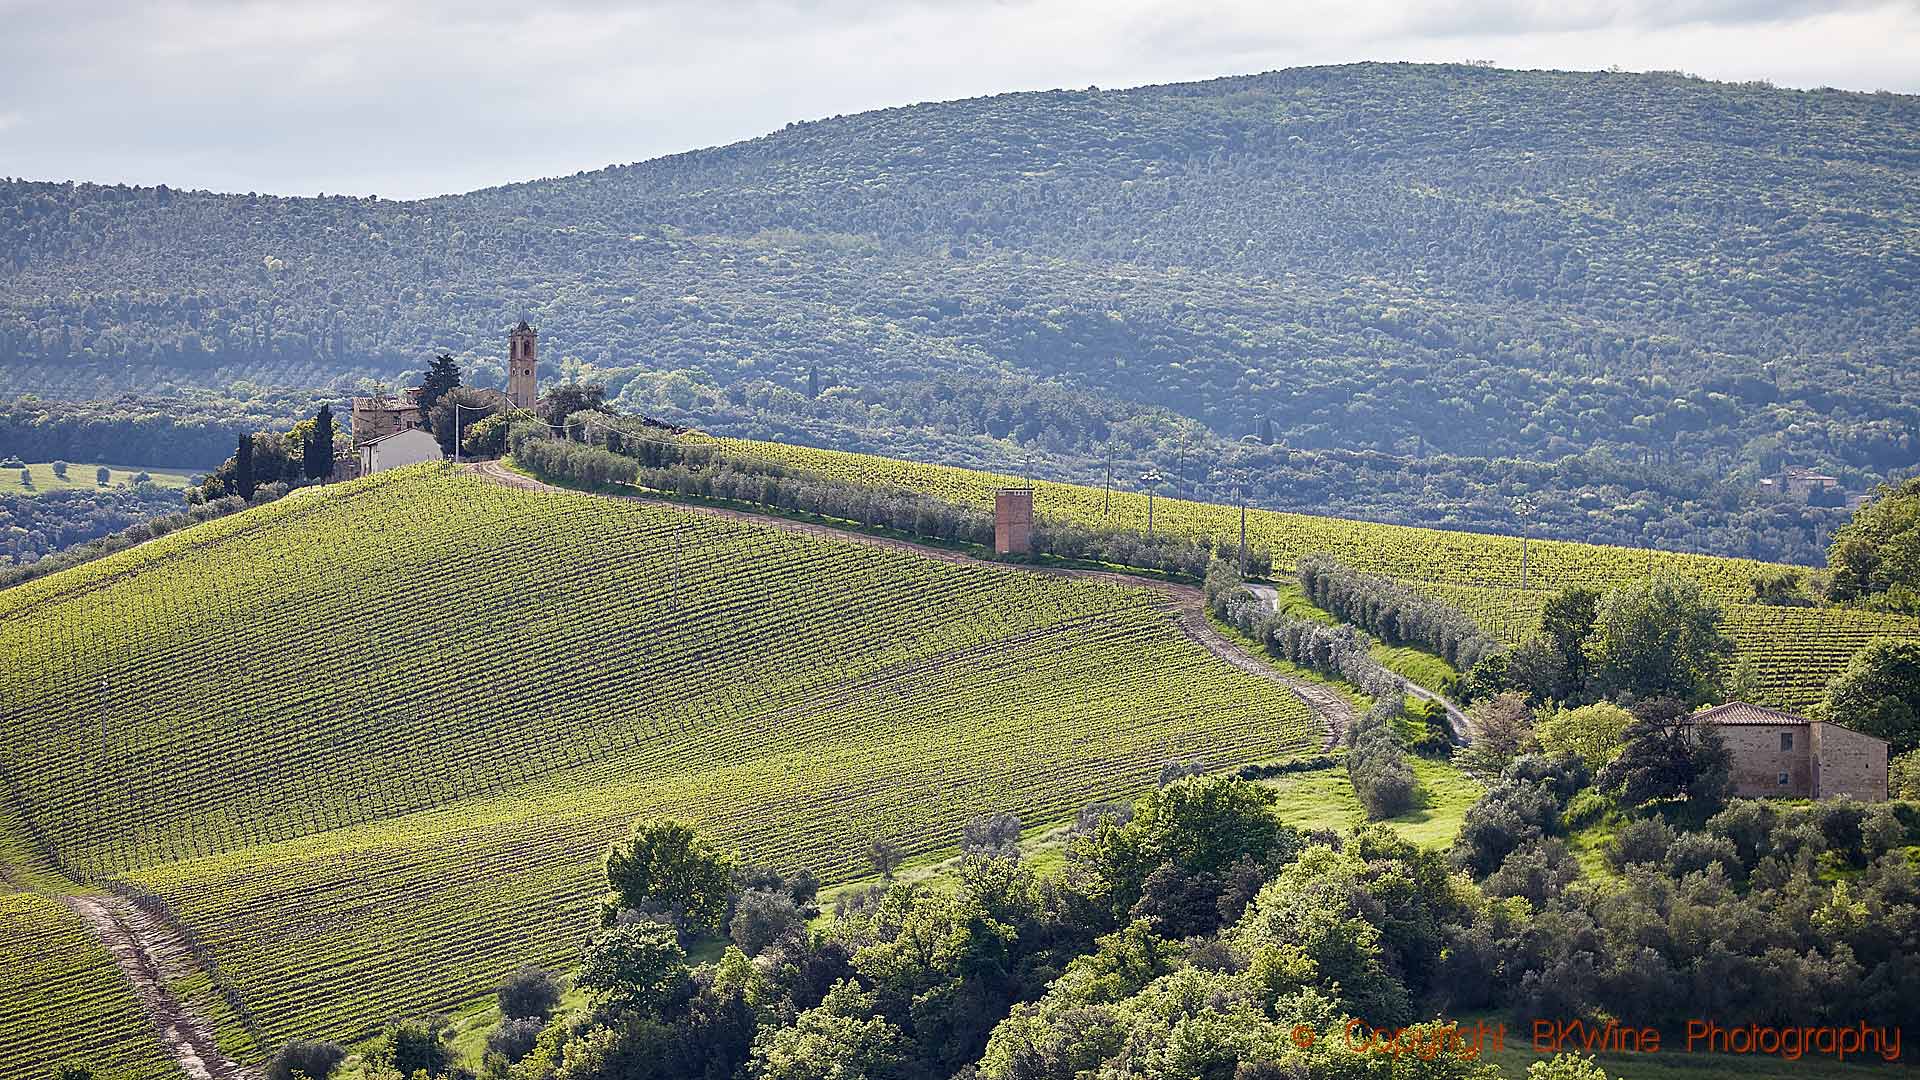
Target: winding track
1457	721
1189	610
145	948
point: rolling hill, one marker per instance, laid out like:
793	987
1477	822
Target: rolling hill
367	745
1378	257
1793	651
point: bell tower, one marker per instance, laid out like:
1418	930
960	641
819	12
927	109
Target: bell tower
523	386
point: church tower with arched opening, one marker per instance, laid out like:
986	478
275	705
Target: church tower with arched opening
523	385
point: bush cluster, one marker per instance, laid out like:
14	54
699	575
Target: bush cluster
1394	612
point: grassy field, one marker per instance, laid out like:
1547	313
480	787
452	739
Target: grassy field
84	477
1795	651
1324	799
370	744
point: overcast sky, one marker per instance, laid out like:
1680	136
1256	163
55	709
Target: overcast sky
404	99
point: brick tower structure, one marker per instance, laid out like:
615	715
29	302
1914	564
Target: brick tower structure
523	385
1013	521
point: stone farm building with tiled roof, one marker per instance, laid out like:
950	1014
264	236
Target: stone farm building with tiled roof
1779	754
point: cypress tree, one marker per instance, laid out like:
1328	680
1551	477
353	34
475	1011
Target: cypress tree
813	381
319	461
442	375
243	468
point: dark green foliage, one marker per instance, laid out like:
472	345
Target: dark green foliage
411	1046
1879	693
1613	273
319	445
529	992
305	1058
465	405
38	508
1566	624
998	834
566	399
188	430
1523	806
34	527
1641	841
761	918
638	965
1665	757
72	1070
1537	872
442	375
103	476
1377	761
1659	639
243	480
1877	554
666	867
1782	587
513	1038
1199	825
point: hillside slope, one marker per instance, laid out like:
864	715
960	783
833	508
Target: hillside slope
369	743
1392	257
1502	581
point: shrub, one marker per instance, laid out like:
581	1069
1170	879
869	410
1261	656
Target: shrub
997	834
414	1046
1566	1067
1642	841
1537	871
762	918
1693	852
529	992
514	1037
313	1060
1585	809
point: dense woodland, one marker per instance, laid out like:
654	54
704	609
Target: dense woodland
1650	270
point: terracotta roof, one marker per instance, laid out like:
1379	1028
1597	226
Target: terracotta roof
1739	712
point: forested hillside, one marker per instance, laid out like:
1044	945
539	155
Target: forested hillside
1391	258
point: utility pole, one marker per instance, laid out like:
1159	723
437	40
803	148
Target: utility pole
1152	479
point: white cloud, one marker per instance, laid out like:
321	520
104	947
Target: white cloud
404	99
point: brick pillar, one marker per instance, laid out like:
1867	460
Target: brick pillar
1013	521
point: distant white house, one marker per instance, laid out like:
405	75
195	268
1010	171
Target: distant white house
408	447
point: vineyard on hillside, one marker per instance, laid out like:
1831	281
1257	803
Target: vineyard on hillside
368	744
1794	651
62	999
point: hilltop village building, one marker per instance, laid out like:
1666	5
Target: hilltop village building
378	419
1800	484
1781	755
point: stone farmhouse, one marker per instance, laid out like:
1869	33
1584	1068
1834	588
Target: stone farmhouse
379	416
1778	754
377	419
1800	483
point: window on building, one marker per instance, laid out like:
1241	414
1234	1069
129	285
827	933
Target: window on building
1783	779
1786	740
